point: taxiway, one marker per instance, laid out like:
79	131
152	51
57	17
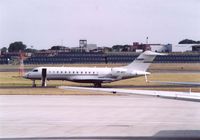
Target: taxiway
97	115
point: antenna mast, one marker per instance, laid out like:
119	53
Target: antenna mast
21	65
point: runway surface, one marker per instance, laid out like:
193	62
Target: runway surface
97	115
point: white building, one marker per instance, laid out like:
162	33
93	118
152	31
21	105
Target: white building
186	47
161	47
87	48
90	47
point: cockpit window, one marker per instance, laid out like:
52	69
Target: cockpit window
35	70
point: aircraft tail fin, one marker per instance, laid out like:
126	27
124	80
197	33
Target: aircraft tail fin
143	61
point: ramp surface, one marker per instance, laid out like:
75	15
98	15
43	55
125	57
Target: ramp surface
97	115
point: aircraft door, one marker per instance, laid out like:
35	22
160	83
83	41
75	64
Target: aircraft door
44	77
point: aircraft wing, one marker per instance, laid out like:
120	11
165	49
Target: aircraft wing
165	94
92	79
176	83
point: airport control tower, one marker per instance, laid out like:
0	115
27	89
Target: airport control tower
82	44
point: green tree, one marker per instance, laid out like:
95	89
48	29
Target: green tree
120	48
117	48
4	50
58	48
16	47
29	50
189	41
125	48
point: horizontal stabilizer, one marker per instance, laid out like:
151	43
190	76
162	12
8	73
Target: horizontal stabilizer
150	53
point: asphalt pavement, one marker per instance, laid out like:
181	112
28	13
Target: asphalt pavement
97	116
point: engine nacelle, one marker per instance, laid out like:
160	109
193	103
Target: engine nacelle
118	71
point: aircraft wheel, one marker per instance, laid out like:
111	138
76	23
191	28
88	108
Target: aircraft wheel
97	85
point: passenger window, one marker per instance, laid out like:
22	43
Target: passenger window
35	70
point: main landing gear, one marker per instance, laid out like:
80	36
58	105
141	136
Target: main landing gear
97	85
33	84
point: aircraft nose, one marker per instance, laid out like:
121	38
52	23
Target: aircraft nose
26	75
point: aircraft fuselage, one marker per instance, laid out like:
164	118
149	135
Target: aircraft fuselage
82	74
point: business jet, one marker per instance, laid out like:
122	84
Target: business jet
94	75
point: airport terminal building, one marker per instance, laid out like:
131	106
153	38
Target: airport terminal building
186	48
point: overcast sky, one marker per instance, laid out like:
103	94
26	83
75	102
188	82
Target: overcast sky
44	23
